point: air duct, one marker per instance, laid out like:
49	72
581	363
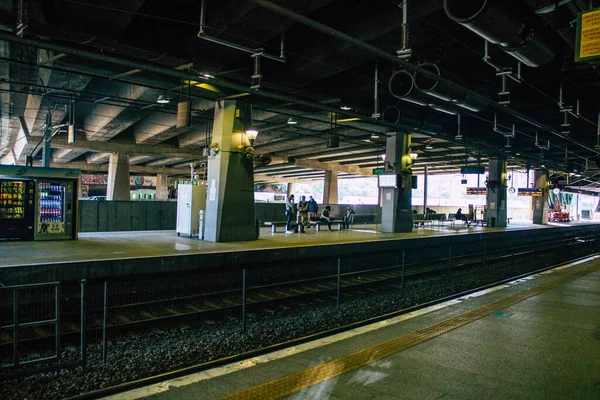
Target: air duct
438	90
505	24
182	114
402	86
391	115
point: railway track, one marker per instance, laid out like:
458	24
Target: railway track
166	312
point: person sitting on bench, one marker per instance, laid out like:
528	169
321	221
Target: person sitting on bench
460	216
348	219
326	217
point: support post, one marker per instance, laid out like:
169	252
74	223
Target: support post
118	177
403	266
339	270
496	210
57	317
230	213
425	187
244	300
540	203
83	350
162	187
450	260
104	323
47	150
397	207
330	188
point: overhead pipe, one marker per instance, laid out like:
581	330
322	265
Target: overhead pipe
408	66
272	95
504	25
434	88
402	86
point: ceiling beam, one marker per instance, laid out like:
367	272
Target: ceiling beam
136	169
326	166
128	148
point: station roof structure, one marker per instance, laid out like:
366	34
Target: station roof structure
329	71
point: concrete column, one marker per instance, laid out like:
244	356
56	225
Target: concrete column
118	177
290	189
495	202
330	188
162	187
230	200
540	204
397	208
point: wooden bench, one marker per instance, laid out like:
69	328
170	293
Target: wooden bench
275	224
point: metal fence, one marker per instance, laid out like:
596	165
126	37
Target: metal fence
84	312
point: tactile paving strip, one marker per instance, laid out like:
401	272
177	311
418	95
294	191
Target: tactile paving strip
293	383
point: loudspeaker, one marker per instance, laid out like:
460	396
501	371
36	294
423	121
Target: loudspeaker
333	141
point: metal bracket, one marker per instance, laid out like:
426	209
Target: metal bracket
256	77
539	146
508	134
405	52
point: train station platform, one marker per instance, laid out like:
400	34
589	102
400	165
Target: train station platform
534	338
115	254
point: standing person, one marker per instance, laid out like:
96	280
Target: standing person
302	213
326	216
313	208
348	219
289	212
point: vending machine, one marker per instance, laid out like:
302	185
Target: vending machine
17	209
38	203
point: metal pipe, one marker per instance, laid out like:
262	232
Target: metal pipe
281	97
425	176
202	9
405	64
376	92
282	47
598	135
237	47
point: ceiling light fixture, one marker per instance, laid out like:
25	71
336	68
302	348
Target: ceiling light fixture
383	156
208	75
162	99
292	121
413	156
345	108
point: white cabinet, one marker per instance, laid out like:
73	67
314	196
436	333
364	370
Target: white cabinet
190	200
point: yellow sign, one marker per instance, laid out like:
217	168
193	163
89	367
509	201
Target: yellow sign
589	35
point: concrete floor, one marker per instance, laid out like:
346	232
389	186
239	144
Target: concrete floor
545	347
123	245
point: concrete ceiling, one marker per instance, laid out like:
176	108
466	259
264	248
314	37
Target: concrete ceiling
116	107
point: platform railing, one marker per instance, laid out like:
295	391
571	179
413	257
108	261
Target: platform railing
110	308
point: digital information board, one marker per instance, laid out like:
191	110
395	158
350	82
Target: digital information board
529	192
388	181
476	190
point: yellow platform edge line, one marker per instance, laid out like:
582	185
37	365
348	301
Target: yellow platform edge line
293	383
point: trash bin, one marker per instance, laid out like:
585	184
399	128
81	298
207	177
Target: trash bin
492	221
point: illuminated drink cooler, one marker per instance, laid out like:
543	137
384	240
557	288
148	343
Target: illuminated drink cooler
38	203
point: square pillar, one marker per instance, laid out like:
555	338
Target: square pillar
230	201
397	202
118	177
162	187
330	188
495	201
540	203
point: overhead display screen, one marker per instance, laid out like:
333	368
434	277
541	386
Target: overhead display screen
388	181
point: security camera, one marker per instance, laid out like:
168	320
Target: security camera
202	165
